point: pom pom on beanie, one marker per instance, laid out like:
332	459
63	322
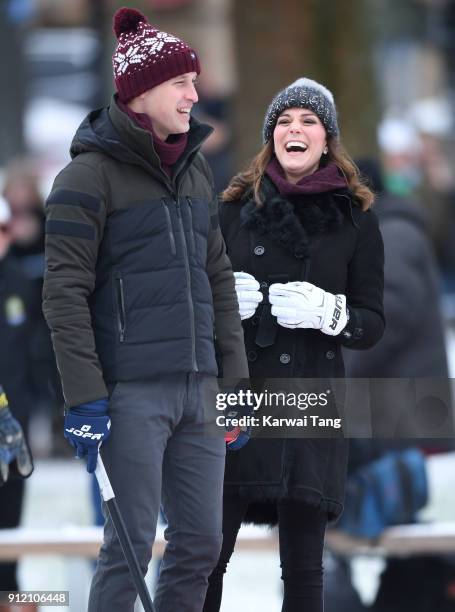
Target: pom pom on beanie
126	20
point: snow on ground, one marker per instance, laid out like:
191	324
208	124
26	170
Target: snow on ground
59	495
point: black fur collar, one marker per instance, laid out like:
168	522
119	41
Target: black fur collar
290	221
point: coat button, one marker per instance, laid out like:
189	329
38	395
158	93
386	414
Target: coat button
264	285
330	355
259	250
285	358
251	355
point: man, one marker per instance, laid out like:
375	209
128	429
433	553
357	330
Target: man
136	287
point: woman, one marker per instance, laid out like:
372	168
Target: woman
297	225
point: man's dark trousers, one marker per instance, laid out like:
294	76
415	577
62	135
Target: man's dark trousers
158	451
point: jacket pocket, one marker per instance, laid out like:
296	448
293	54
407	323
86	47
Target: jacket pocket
169	227
121	311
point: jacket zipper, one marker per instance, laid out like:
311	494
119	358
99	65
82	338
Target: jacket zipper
121	309
188	284
193	241
169	228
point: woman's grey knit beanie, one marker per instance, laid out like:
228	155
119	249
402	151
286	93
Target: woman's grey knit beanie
303	93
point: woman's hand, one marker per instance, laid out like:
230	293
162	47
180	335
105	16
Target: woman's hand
248	294
303	305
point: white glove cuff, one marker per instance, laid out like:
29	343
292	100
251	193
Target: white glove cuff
335	315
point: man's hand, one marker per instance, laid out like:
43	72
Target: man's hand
236	437
248	294
86	427
303	305
14	453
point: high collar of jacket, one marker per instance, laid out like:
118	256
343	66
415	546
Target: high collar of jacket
141	142
113	133
170	150
292	220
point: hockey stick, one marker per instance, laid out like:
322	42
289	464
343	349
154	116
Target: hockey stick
111	503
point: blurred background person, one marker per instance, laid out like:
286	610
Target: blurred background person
26	233
401	153
19	313
215	108
416	163
412	346
21	191
434	121
413	343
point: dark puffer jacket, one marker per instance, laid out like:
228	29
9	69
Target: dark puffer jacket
137	279
328	241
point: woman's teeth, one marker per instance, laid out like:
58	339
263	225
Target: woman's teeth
295	145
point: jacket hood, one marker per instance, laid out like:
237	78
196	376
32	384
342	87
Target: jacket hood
97	133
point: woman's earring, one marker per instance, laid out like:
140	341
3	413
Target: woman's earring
325	151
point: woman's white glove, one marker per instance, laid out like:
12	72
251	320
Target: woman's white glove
303	305
248	294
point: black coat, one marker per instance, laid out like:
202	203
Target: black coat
328	241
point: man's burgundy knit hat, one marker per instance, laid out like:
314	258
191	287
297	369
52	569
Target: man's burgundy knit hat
145	56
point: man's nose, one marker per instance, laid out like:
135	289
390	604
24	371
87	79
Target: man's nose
192	94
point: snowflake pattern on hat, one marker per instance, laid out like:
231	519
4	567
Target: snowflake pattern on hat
147	43
124	60
158	43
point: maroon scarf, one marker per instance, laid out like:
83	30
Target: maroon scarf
168	150
324	179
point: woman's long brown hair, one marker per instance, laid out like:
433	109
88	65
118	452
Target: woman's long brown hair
250	179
